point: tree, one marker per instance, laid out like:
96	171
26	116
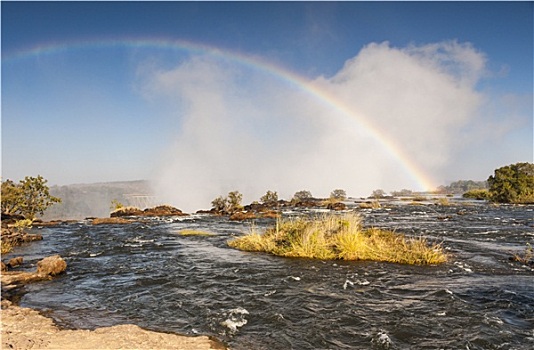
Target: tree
269	198
378	193
338	194
233	201
512	184
11	197
29	197
301	196
219	204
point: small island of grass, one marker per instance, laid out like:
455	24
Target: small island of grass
339	237
188	232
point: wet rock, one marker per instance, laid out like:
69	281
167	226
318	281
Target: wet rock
3	267
308	204
51	266
15	262
16	238
272	214
242	215
163	210
52	223
110	221
126	211
336	206
46	269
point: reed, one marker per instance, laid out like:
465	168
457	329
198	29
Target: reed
339	237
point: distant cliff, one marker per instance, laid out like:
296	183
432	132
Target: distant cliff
86	200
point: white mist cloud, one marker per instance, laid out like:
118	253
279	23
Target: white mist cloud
243	129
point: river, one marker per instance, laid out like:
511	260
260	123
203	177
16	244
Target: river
150	275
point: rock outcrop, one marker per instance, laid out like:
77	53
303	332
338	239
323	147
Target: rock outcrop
24	328
161	210
46	269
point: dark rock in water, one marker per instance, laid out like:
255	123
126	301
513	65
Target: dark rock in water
111	221
163	210
336	206
242	215
8	219
271	214
40	223
15	262
16	238
126	211
309	203
212	211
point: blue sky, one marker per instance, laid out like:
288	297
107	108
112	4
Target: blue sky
104	113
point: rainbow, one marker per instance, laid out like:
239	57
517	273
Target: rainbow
415	172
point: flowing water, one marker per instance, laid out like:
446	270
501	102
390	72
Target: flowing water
150	275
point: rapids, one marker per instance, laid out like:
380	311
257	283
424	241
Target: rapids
150	275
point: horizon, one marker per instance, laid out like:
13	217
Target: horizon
204	98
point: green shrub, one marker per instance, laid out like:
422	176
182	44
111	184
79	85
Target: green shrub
480	194
512	184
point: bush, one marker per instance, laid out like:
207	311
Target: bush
339	237
269	198
480	194
512	184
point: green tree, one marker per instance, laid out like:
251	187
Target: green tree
11	197
512	184
338	194
29	197
301	196
269	198
219	204
233	201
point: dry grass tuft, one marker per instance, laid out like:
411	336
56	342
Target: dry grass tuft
339	237
195	233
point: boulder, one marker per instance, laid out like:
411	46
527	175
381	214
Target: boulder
336	206
163	210
272	214
14	262
242	215
110	221
51	266
126	211
46	269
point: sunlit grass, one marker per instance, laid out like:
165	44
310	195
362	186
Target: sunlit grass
5	247
195	233
339	237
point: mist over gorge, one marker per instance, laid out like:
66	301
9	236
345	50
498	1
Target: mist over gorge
246	128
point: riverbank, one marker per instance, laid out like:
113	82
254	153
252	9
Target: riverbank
24	328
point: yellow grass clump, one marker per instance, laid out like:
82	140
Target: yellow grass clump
195	233
339	237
